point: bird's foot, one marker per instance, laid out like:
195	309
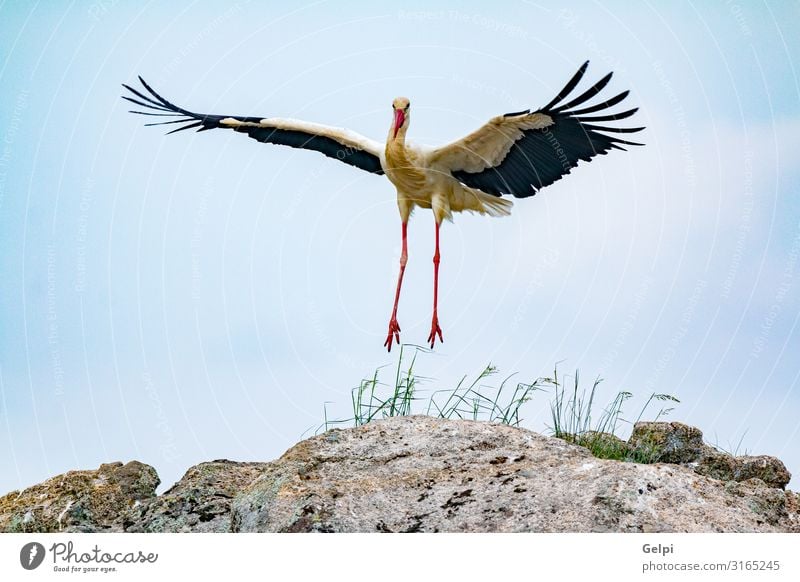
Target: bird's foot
435	330
394	334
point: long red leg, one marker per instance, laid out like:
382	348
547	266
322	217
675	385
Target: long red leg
435	329
394	327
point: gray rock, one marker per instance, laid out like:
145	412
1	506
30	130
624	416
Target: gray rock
666	442
425	474
88	501
722	466
199	502
674	442
715	464
769	469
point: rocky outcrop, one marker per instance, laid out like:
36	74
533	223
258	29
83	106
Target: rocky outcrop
79	501
674	442
425	474
419	473
200	501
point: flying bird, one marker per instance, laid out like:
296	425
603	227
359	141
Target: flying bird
513	154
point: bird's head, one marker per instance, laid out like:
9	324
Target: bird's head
402	113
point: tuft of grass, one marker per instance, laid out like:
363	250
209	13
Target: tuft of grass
478	401
574	411
373	399
571	413
730	448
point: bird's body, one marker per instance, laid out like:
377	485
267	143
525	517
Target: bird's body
420	183
516	153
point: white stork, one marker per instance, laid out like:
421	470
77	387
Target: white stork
513	154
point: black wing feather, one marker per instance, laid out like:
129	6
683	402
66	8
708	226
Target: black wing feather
573	82
293	138
588	94
610	117
542	156
600	106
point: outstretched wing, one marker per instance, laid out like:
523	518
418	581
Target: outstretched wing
519	153
342	144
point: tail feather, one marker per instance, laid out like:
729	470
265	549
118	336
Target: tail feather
472	200
496	205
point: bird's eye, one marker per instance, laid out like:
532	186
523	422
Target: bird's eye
407	106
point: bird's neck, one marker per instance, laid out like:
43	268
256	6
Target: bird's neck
396	151
398	141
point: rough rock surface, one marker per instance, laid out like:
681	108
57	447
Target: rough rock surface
425	474
667	442
200	501
674	442
87	501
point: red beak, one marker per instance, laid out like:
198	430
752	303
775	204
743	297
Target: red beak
399	119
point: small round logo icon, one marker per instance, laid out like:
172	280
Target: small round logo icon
31	555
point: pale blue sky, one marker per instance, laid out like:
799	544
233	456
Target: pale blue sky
200	296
